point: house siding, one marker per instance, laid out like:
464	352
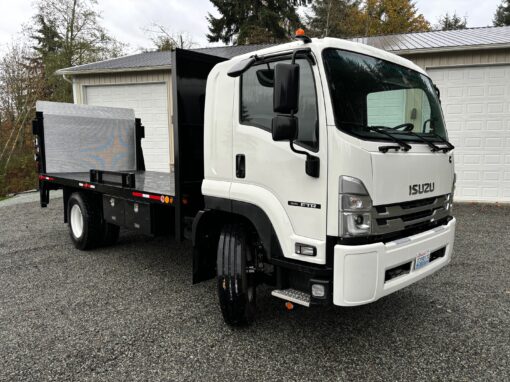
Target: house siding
460	58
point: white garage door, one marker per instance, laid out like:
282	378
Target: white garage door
150	104
476	104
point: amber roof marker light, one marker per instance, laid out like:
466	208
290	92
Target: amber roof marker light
300	35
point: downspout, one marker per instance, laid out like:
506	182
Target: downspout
75	99
67	79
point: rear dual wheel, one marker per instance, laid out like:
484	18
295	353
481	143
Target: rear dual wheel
86	226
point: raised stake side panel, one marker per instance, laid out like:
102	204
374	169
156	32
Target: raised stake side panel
81	137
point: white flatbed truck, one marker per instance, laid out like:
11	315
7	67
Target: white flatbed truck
319	167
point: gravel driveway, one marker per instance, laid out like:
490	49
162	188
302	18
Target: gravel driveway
130	313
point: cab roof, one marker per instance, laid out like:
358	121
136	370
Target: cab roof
317	45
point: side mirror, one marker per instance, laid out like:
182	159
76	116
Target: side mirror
284	128
286	88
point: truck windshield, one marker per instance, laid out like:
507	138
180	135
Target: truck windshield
368	91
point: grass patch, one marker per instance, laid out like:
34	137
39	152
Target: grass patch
20	175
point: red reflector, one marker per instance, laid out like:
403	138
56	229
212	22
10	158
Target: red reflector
86	185
44	177
148	196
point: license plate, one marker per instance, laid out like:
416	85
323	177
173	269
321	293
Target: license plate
422	260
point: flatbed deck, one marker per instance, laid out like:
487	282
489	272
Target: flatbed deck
148	184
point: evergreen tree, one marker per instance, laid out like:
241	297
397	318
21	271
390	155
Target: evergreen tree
337	18
253	21
68	33
502	16
453	22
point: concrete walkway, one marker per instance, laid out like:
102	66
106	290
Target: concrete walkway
27	197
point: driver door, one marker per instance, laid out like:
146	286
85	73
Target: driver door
275	175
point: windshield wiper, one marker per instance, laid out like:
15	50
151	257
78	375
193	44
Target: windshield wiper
381	130
448	147
432	146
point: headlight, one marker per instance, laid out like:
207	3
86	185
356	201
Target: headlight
355	204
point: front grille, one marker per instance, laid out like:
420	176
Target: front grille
401	216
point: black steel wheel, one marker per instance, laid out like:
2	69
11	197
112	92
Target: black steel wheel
236	276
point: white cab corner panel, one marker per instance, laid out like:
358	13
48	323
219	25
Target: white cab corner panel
218	124
269	203
150	103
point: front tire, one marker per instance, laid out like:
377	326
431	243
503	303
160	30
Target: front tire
86	227
236	277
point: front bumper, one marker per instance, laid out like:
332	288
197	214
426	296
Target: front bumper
359	272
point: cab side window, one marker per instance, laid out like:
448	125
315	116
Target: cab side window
257	101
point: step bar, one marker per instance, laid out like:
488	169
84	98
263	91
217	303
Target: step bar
293	295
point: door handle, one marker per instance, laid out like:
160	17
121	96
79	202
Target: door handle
240	166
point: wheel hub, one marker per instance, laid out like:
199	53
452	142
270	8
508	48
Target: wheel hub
76	221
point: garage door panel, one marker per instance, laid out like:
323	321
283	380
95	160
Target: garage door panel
150	102
476	104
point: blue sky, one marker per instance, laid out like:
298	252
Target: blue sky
126	19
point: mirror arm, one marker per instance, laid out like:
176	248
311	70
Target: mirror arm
293	148
312	166
302	50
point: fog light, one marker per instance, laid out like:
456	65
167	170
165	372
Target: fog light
356	224
318	290
305	250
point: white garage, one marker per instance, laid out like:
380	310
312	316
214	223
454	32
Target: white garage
476	103
150	101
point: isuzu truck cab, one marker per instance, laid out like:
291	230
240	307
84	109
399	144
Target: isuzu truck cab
326	174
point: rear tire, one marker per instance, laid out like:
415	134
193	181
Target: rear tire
236	287
85	223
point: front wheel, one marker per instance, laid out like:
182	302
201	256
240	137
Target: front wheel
236	276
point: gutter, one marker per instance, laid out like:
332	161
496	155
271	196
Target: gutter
65	72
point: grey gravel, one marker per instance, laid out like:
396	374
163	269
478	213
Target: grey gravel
130	313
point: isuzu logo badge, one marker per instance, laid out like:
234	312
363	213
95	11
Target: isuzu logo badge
415	189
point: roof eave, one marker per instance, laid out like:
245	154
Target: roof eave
451	49
116	70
